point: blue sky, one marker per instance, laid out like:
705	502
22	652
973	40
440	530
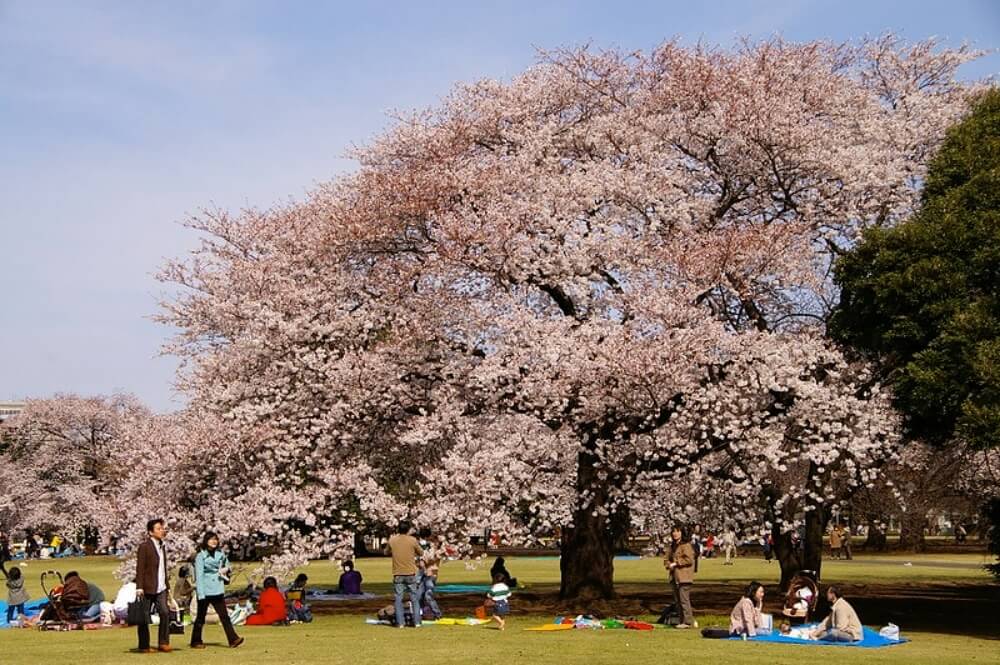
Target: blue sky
118	119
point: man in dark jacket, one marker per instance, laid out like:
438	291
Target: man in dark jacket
151	582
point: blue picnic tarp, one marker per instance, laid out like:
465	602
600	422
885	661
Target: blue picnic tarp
31	608
871	640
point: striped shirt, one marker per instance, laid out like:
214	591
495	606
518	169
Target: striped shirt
499	593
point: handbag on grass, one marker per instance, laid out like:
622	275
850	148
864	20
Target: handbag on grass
176	618
138	613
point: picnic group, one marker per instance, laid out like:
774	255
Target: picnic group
149	601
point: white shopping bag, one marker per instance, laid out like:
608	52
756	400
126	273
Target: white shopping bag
890	632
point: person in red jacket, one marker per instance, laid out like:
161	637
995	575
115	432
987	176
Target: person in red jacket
270	607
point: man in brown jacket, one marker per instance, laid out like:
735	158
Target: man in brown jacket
151	582
680	564
75	595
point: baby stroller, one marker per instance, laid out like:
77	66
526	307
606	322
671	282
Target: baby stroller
55	616
801	599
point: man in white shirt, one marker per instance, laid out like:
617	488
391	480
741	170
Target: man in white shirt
151	580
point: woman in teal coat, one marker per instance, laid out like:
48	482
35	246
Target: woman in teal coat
211	571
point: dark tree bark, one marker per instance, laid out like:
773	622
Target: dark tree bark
911	532
360	548
875	541
588	547
816	521
587	561
789	558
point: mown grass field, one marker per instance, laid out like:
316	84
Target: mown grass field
543	572
345	638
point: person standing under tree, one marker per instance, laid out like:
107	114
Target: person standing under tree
729	546
405	551
845	541
211	572
680	564
430	565
836	541
151	582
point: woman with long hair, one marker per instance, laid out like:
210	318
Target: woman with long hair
747	618
211	570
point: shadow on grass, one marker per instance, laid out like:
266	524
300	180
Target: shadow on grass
956	608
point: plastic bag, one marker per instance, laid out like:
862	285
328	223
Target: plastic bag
890	632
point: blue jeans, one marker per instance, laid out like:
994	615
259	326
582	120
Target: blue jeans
836	635
91	612
401	583
427	586
13	609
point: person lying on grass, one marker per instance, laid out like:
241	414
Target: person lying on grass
843	624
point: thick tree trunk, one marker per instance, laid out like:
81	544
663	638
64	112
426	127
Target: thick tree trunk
587	559
360	548
787	555
875	541
816	521
911	532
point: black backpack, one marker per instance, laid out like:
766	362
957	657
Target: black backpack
669	616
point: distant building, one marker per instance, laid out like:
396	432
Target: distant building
10	409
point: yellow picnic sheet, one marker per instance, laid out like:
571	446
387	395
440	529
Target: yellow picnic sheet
553	626
468	621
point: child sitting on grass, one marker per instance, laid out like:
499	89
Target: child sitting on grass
499	595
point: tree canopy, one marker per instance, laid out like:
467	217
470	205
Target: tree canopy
922	299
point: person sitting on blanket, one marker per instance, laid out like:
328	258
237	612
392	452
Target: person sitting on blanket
270	607
76	597
298	589
125	596
95	595
843	624
350	580
298	610
746	619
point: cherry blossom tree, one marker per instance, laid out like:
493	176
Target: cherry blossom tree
57	463
559	302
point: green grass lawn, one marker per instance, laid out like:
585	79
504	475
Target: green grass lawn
345	638
543	573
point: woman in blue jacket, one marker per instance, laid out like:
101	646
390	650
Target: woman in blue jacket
211	571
